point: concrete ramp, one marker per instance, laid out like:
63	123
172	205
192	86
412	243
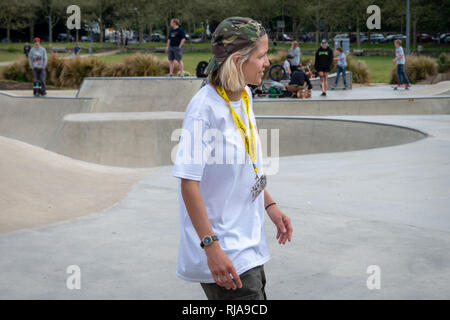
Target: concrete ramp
130	139
140	94
143	139
329	107
39	187
36	120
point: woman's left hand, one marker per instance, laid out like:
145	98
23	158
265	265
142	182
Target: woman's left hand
282	222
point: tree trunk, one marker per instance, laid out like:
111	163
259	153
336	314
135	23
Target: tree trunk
77	35
414	35
140	28
102	28
358	40
31	31
68	34
121	41
317	30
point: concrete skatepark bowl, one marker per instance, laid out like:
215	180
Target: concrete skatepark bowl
363	178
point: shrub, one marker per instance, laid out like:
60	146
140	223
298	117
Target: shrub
416	68
360	71
76	69
143	65
18	71
70	72
443	63
166	67
54	69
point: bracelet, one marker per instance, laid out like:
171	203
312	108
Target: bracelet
270	204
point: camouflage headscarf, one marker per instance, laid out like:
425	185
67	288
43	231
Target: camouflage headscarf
231	35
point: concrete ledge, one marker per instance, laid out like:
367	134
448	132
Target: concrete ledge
131	139
403	105
141	94
36	120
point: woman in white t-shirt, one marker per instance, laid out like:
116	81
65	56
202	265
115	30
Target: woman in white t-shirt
222	194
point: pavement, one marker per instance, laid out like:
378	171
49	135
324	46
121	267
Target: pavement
380	206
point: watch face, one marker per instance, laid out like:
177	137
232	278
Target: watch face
207	241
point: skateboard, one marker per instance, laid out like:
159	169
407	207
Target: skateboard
37	89
397	87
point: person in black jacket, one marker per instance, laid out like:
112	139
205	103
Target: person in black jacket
298	84
324	59
26	49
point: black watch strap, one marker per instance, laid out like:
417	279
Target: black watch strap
213	238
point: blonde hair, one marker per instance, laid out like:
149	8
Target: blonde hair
177	21
398	41
230	75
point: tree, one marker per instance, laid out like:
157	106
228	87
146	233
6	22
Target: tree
53	10
12	16
30	15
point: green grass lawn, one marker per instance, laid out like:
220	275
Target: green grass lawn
380	68
10	56
190	59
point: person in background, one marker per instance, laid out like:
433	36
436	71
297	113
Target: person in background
26	49
341	65
324	59
294	51
400	60
287	67
37	59
76	50
299	82
176	40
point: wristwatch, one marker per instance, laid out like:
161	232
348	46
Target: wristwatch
208	240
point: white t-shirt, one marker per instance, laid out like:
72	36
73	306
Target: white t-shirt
399	52
225	187
296	54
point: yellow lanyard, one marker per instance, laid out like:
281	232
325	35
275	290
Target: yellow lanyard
250	143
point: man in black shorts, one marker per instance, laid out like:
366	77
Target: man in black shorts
177	37
324	59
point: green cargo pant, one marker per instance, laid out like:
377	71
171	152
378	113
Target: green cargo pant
253	284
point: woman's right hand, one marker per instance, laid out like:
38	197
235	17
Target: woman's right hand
221	267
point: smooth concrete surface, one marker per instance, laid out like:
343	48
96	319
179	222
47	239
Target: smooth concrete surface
330	106
144	139
39	187
385	206
130	139
36	120
140	94
350	210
